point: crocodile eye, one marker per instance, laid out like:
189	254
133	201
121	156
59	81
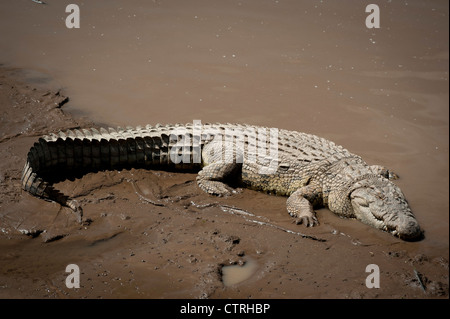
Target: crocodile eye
284	166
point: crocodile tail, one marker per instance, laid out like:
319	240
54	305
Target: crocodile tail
90	150
36	185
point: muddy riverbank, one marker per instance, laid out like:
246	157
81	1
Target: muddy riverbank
310	66
152	234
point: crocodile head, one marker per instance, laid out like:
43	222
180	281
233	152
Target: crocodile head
381	204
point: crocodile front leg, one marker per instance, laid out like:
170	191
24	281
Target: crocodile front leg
300	205
211	178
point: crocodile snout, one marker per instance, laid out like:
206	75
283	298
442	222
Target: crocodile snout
410	230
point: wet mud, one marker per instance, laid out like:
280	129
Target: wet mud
300	65
154	234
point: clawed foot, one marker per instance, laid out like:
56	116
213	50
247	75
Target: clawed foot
308	221
301	209
215	187
210	178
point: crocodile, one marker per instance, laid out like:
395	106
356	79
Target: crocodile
309	170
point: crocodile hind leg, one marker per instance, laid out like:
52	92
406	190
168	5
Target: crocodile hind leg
300	205
211	178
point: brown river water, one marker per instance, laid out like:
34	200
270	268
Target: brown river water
310	66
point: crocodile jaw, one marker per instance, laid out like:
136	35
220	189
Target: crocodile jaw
383	206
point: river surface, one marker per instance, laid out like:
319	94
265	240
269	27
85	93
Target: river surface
310	66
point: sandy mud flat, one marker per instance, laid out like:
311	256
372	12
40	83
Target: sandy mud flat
153	234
